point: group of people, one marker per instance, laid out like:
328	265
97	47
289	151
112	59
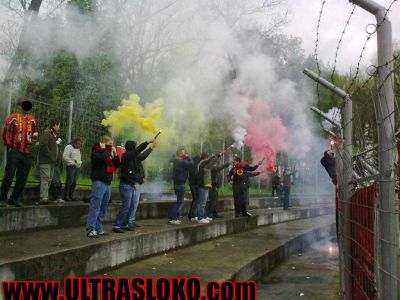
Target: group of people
20	133
203	172
104	162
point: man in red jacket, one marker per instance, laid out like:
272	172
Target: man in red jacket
20	130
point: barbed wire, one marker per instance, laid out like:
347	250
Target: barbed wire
369	36
340	42
316	56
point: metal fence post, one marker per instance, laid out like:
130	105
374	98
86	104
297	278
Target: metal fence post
70	113
8	113
346	163
387	218
223	170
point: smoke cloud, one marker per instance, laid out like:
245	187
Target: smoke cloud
198	59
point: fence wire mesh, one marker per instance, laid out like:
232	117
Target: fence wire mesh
368	218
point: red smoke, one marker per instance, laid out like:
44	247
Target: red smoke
265	134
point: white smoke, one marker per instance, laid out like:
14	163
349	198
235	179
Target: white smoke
239	133
182	51
333	114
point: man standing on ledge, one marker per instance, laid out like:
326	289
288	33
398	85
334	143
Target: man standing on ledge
20	130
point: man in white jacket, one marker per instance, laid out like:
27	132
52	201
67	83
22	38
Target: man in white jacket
72	160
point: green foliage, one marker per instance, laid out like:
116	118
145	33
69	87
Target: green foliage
84	6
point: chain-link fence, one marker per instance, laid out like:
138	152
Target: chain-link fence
79	119
367	204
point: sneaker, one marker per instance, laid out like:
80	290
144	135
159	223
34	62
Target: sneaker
194	219
174	222
203	221
134	224
102	232
59	200
92	234
127	228
247	214
209	219
118	230
44	201
14	203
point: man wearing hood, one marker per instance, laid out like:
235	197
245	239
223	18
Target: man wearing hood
329	163
104	162
216	181
20	131
182	164
131	178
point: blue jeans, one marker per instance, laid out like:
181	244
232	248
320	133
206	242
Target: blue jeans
180	195
99	198
126	195
201	203
134	203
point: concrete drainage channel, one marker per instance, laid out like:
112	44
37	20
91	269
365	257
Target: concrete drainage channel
242	256
58	253
264	264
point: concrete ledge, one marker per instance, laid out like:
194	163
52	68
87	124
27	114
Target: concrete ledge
63	252
241	256
38	217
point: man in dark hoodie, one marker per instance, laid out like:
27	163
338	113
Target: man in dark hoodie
131	178
182	165
329	163
194	185
240	176
216	181
104	162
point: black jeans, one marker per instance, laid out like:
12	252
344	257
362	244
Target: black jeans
240	198
70	183
194	190
213	203
286	197
19	163
275	189
55	189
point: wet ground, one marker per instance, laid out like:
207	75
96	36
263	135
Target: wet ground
313	274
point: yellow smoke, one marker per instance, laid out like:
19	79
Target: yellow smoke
131	115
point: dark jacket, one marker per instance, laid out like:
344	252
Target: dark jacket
180	172
216	176
99	165
131	164
287	179
242	178
193	174
48	147
329	164
204	172
276	180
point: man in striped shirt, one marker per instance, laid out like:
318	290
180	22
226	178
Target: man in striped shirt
20	130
